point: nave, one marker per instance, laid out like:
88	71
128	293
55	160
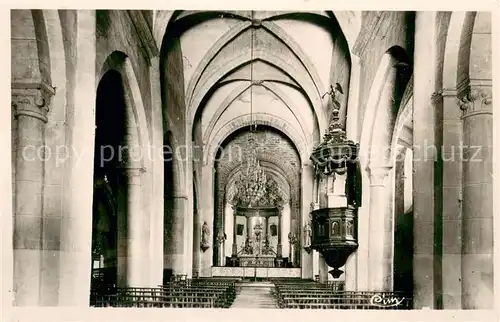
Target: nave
205	151
282	293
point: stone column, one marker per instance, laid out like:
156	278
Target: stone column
31	105
323	269
279	246
174	258
157	201
122	234
7	177
477	243
234	252
249	227
446	100
206	195
76	229
379	278
353	99
307	184
424	126
222	253
137	264
221	231
351	267
187	214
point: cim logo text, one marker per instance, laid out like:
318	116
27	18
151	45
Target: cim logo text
385	301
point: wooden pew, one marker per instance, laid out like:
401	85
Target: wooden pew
180	292
313	295
136	297
226	288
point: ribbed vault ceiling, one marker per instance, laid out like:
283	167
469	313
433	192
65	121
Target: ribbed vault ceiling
282	62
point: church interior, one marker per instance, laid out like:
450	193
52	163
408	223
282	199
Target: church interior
318	160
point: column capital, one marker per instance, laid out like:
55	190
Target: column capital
378	174
31	99
475	100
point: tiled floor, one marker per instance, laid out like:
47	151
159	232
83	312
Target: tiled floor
254	295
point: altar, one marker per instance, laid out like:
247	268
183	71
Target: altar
257	261
259	272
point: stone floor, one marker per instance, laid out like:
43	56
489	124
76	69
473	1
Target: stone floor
254	295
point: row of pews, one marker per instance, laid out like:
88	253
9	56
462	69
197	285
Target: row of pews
188	293
308	294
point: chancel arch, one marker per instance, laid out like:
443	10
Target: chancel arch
247	120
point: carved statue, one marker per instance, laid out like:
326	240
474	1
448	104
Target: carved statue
248	249
307	235
349	228
335	228
257	231
267	250
205	236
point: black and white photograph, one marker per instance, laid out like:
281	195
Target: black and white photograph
255	159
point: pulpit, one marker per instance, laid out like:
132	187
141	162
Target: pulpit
335	223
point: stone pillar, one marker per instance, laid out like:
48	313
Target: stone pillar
157	201
222	254
424	121
197	238
122	234
307	188
323	269
351	267
234	252
279	247
7	177
137	232
353	99
221	243
249	227
477	244
175	255
31	105
76	229
206	195
446	100
187	214
379	278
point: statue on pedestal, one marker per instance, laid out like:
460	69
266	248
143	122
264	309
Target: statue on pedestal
205	235
267	250
248	248
307	236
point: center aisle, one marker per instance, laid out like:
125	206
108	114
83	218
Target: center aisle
254	295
